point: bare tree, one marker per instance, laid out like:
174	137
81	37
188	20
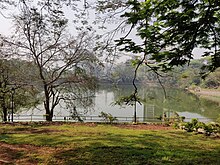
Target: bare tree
60	58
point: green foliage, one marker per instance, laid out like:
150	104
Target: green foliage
15	80
200	127
107	117
194	125
135	62
171	30
189	127
128	100
194	122
183	77
212	80
182	118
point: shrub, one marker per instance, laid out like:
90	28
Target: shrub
182	118
194	122
200	127
189	127
107	117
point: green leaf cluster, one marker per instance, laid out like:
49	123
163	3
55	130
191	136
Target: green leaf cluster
170	30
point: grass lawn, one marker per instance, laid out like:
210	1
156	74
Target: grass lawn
104	144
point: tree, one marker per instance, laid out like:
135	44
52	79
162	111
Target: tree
5	3
123	73
13	87
61	59
170	30
4	90
213	79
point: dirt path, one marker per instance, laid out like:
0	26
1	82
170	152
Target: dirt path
12	154
18	154
208	92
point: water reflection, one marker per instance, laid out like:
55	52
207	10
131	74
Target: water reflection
184	103
153	107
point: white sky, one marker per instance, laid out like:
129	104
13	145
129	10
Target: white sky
6	28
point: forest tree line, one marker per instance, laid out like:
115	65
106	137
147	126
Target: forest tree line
180	77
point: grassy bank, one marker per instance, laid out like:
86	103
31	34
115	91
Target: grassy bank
104	144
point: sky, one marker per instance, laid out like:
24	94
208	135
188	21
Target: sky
6	28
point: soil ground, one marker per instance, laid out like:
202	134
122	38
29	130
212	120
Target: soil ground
208	92
9	153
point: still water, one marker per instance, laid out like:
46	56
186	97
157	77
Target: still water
153	106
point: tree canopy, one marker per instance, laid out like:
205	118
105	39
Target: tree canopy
171	29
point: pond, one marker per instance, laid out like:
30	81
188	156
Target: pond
154	105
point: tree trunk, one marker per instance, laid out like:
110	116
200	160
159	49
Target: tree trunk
49	112
5	111
49	117
5	114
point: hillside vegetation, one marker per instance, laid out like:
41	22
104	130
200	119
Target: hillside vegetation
182	77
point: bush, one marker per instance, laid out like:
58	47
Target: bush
200	127
189	127
194	122
107	117
175	119
182	118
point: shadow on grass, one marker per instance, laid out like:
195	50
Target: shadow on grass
122	151
105	155
118	155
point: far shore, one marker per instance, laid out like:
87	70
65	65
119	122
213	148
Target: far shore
209	94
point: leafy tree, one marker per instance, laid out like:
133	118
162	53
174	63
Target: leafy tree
171	30
4	90
168	31
213	79
123	73
13	84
